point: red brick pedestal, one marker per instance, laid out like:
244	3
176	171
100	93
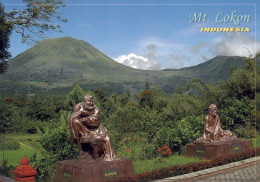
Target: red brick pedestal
92	171
210	150
24	172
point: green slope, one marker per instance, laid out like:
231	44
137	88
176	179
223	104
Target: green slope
216	68
69	58
59	63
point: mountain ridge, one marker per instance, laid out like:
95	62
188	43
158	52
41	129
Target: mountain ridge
62	62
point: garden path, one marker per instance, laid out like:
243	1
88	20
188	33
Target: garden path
246	170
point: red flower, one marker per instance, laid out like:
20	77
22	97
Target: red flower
164	150
127	149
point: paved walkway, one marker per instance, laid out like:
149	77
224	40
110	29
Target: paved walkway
239	175
246	170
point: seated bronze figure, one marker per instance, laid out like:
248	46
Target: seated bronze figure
212	129
90	135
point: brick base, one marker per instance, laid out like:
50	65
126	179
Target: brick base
210	150
92	171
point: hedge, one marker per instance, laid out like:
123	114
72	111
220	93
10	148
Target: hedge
192	167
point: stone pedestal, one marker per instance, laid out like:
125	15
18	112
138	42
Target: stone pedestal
210	150
79	170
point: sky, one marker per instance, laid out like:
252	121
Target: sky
156	34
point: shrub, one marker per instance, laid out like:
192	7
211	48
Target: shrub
10	145
181	133
135	147
183	105
5	169
58	146
234	113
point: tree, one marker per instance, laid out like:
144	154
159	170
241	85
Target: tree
5	31
31	23
75	96
258	92
242	81
147	86
37	18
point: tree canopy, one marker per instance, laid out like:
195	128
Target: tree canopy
32	23
5	31
38	17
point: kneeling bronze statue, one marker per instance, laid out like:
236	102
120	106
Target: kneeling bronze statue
212	129
90	135
215	141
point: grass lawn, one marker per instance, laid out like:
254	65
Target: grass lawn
29	144
149	165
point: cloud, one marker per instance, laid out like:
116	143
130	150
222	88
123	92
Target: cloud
139	62
230	44
204	58
150	51
177	61
163	52
235	44
198	47
154	53
148	60
162	46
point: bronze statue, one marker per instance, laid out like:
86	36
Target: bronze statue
91	136
212	129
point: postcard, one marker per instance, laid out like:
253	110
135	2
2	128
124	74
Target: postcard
128	90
